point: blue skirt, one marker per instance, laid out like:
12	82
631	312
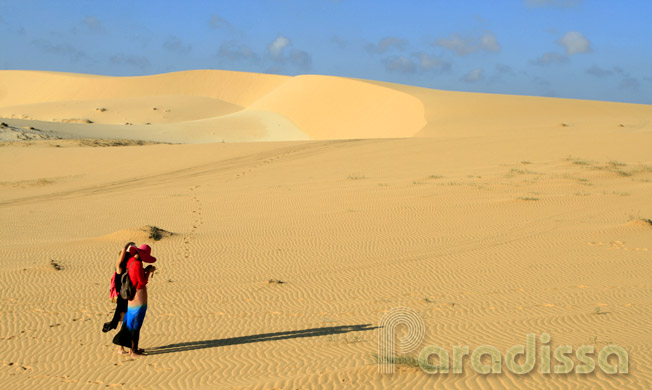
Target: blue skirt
134	317
129	334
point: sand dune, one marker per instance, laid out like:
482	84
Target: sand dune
455	114
28	87
210	106
482	213
336	108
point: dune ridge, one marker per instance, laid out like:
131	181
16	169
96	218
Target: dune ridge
212	106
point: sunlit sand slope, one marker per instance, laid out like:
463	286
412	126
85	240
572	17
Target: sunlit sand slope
26	87
338	108
213	106
463	114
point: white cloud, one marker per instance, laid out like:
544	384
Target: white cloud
418	62
629	83
618	70
467	45
276	48
427	62
574	42
599	72
301	59
489	42
457	44
550	58
177	45
386	44
340	42
281	52
504	69
93	23
400	64
137	61
500	71
234	51
473	76
217	23
62	49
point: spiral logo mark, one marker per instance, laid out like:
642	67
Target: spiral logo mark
386	336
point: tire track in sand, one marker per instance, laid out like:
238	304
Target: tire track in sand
226	167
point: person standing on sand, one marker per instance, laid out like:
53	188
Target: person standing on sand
129	334
121	304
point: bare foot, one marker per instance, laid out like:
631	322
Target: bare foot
136	353
121	351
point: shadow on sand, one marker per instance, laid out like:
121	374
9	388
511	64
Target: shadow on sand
314	332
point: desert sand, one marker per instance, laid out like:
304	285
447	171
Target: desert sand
490	216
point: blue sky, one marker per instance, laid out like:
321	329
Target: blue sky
591	49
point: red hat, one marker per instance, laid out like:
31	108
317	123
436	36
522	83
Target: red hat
143	252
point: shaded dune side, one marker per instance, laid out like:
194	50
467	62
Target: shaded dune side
140	109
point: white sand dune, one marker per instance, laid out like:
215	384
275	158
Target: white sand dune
482	213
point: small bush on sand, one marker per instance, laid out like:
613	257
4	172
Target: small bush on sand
156	233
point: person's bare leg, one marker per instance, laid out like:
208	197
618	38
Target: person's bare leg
135	352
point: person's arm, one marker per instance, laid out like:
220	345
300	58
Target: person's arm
121	258
149	271
118	264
